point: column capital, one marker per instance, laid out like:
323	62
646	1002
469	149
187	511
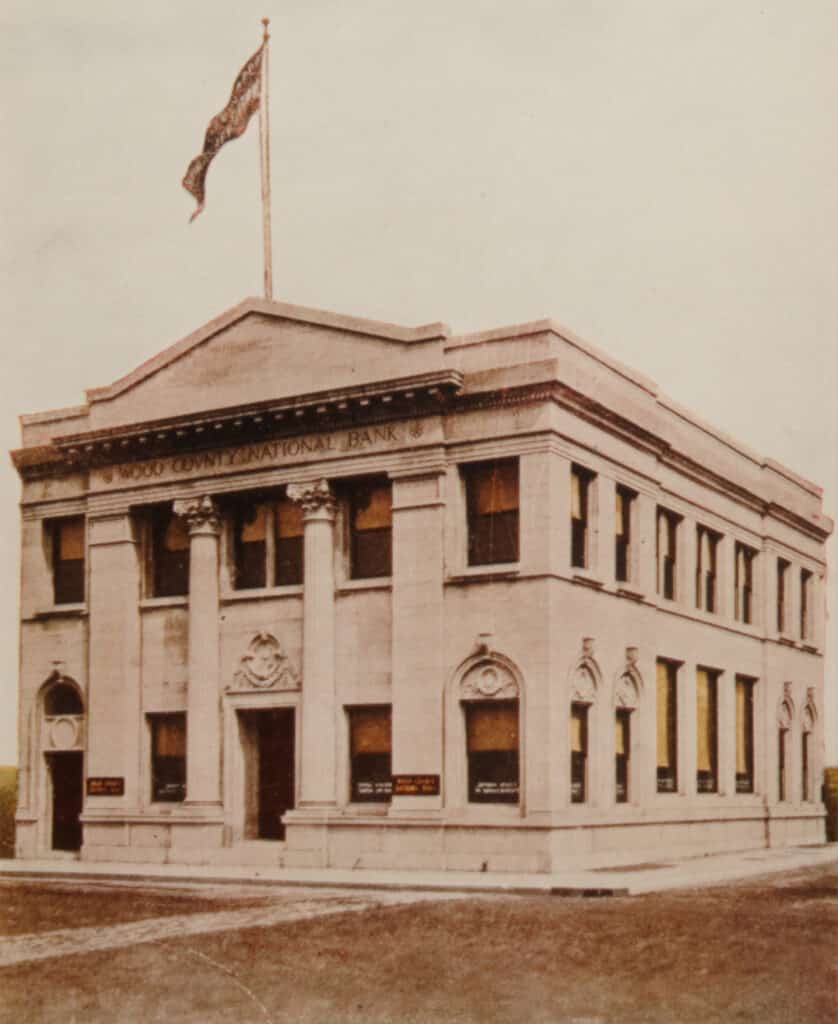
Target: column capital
315	497
201	514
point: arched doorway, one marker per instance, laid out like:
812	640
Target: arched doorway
62	741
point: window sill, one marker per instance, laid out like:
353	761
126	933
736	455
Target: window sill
372	583
373	809
260	593
809	648
484	573
587	579
165	602
628	592
59	611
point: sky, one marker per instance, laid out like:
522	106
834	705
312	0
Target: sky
657	175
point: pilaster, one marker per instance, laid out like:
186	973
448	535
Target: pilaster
643	546
114	701
687	733
724	578
417	617
726	733
606	530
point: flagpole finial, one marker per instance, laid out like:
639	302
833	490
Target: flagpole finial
265	23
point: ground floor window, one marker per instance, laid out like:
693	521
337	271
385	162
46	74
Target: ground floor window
492	748
370	754
804	766
707	692
782	743
168	757
622	747
578	753
667	726
744	735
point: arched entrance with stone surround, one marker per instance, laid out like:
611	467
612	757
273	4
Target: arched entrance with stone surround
62	744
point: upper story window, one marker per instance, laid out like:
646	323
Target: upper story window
370	511
492	509
169	575
805	604
67	539
622	533
267	542
744	582
782	583
580	516
707	543
667	552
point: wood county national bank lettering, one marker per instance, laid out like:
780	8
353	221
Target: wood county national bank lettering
312	590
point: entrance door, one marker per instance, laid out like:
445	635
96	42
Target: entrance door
66	770
268	758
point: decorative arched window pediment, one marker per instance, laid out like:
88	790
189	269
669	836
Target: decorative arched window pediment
489	676
629	683
62	710
586	676
810	712
785	713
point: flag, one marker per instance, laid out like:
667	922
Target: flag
229	124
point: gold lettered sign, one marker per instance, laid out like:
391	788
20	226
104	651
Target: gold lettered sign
112	786
415	785
268	454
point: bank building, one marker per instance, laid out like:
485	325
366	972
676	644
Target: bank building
306	589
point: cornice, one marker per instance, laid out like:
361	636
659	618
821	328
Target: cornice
415	396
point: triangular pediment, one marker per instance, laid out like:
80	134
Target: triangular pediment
260	351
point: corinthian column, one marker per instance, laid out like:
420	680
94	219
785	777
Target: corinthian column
318	760
203	720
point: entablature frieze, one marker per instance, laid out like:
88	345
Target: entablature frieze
421	461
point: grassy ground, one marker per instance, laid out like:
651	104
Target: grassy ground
8	801
759	951
29	907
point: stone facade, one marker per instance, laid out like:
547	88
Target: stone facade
597	636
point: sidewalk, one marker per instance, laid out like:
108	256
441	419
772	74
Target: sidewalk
628	880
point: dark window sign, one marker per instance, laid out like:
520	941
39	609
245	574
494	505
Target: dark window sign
415	785
371	790
105	787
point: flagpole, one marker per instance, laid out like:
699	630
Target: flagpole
265	163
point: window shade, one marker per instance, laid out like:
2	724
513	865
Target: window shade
665	715
254	524
372	508
170	736
705	719
289	519
176	537
492	727
371	731
578	729
494	488
71	540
